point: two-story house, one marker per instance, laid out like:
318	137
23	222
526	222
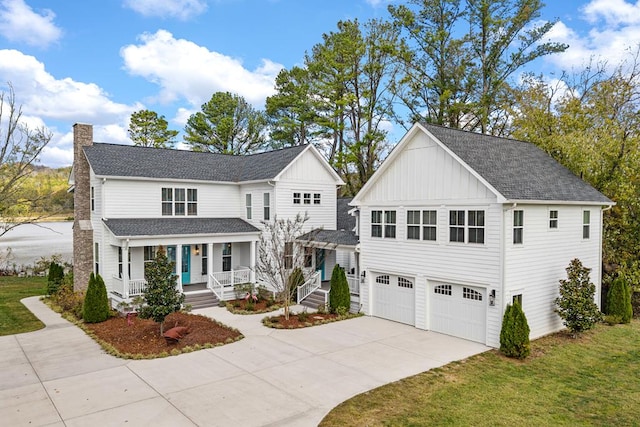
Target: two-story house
205	209
454	225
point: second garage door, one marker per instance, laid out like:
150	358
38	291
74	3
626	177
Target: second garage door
394	298
459	311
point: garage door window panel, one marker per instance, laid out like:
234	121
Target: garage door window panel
405	283
384	280
469	293
442	290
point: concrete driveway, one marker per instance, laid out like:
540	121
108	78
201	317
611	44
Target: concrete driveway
59	376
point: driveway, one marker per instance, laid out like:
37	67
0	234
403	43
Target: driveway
59	376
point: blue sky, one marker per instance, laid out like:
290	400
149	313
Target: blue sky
98	61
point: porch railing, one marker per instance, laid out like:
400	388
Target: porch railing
216	287
136	287
309	286
233	277
354	284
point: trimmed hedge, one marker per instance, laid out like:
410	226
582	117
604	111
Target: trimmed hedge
54	278
96	304
339	297
619	300
514	335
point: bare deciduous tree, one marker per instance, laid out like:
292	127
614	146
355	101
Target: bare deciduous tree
20	147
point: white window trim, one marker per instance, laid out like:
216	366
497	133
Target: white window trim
556	219
515	227
586	224
248	204
466	226
421	225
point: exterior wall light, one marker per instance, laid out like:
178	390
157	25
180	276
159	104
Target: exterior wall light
197	251
492	298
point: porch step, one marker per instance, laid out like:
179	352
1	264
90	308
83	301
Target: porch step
314	299
201	300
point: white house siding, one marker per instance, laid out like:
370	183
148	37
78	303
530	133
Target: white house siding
553	249
143	198
257	191
346	260
307	175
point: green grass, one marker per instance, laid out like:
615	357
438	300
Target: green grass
14	317
590	381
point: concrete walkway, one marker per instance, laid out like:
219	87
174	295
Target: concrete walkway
59	376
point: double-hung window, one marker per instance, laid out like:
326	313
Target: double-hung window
316	198
120	262
192	201
226	257
266	206
167	201
586	224
306	198
296	198
421	222
248	205
179	206
518	227
390	224
205	255
413	225
429	224
553	219
93	199
456	226
376	223
476	226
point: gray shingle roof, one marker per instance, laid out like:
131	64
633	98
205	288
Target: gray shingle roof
518	170
344	220
344	235
130	227
147	162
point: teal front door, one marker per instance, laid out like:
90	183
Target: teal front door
186	264
320	262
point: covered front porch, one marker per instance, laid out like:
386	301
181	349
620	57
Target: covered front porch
204	262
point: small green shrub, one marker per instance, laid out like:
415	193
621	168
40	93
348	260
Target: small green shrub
612	319
68	300
576	305
619	300
96	303
303	316
339	296
54	278
242	289
342	311
514	335
322	308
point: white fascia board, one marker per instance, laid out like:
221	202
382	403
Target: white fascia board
319	156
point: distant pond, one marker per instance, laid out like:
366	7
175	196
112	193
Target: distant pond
30	242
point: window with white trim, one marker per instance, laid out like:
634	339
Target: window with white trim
149	254
306	199
413	225
316	198
429	224
93	199
517	298
586	224
390	224
456	226
120	263
96	258
518	227
296	198
476	226
226	257
442	290
376	223
192	201
266	206
179	201
247	204
205	256
422	222
553	219
167	201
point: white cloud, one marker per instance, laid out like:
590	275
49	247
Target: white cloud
49	101
186	70
19	23
181	9
614	29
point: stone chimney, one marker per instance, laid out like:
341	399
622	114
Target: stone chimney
82	229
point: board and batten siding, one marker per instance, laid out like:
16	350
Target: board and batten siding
535	267
143	199
425	172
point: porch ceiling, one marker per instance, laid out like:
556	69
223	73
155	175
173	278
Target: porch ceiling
157	227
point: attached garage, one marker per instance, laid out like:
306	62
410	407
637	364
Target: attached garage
394	297
458	310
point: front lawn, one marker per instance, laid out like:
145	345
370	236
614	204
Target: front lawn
14	317
592	380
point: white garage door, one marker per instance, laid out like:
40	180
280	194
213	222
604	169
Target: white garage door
459	310
394	298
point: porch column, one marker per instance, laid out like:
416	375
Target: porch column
209	263
252	262
125	269
179	267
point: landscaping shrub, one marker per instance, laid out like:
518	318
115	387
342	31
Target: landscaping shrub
514	335
296	278
54	278
339	295
619	300
161	296
67	300
242	289
96	305
303	316
575	305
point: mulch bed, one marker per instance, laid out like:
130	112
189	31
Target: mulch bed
142	338
239	306
311	319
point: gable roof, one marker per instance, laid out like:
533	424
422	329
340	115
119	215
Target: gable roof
140	227
162	163
514	170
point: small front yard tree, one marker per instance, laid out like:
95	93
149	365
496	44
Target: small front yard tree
279	255
54	278
340	297
576	305
161	295
514	335
95	308
619	301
